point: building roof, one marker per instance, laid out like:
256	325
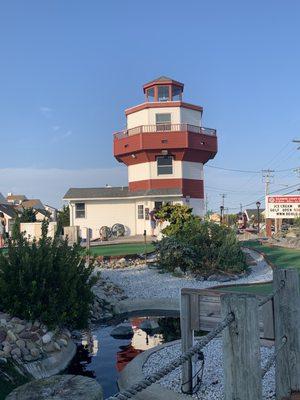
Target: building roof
16	197
252	212
33	203
117	192
8	209
2	199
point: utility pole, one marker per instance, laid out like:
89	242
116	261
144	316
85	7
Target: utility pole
241	207
267	175
206	204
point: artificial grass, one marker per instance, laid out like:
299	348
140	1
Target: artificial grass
279	256
121	249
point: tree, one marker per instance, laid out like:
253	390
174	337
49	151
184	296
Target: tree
27	215
177	215
63	218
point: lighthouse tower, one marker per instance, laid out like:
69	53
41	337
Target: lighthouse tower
165	145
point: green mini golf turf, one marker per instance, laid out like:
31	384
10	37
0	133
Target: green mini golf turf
122	249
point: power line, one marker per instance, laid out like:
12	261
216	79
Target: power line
248	171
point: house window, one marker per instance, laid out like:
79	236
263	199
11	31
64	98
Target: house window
79	210
140	211
163	122
147	213
158	205
163	93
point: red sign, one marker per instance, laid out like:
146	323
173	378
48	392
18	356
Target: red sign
284	199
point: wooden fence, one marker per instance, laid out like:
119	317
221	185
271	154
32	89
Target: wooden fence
254	319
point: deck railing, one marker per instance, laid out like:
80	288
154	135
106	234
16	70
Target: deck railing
165	128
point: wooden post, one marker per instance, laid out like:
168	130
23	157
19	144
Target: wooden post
287	324
241	348
187	341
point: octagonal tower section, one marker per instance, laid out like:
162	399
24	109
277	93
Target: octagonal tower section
165	145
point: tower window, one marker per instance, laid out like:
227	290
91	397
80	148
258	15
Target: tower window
176	93
79	210
163	122
164	165
163	93
150	94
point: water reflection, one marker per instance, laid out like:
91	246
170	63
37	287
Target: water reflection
103	357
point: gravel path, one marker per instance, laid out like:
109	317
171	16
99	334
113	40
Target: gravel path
140	282
212	383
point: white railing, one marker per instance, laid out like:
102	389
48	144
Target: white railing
165	127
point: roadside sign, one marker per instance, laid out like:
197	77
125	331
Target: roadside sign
278	207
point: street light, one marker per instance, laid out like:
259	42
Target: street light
258	215
221	217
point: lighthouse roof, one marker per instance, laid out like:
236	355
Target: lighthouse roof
162	80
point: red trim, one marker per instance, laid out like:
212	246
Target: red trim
161	104
190	187
145	147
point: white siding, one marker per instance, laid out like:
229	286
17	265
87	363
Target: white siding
181	169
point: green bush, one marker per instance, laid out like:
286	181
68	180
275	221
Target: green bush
46	280
200	246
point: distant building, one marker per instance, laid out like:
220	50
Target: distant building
15	199
164	147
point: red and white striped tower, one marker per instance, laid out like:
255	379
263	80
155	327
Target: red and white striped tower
165	145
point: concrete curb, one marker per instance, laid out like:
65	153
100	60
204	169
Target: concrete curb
133	373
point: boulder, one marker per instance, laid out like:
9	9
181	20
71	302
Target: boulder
59	387
2	336
11	337
47	337
18	328
123	331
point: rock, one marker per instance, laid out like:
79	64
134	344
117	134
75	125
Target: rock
51	347
7	350
3	361
20	343
3	322
122	331
33	336
16	352
18	328
35	353
2	336
28	358
59	387
24	351
62	342
47	337
177	272
11	337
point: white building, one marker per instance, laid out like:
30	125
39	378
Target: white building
164	148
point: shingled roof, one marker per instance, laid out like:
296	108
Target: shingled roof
116	192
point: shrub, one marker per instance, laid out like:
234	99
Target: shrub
46	280
177	215
200	246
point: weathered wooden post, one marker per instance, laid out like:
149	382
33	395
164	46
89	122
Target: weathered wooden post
287	325
187	341
241	348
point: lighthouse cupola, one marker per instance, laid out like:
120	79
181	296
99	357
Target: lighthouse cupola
163	89
165	145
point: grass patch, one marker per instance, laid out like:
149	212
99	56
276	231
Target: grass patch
121	249
279	256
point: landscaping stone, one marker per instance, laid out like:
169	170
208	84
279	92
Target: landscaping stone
122	331
47	337
61	387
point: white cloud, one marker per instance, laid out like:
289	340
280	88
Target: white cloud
46	111
50	185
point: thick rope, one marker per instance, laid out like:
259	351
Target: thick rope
156	376
271	295
272	359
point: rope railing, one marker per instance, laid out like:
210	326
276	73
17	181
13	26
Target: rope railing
156	376
196	349
271	295
272	359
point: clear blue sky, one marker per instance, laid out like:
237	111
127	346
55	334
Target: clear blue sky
68	69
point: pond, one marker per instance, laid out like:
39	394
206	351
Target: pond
103	357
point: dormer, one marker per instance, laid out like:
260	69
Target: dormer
163	89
